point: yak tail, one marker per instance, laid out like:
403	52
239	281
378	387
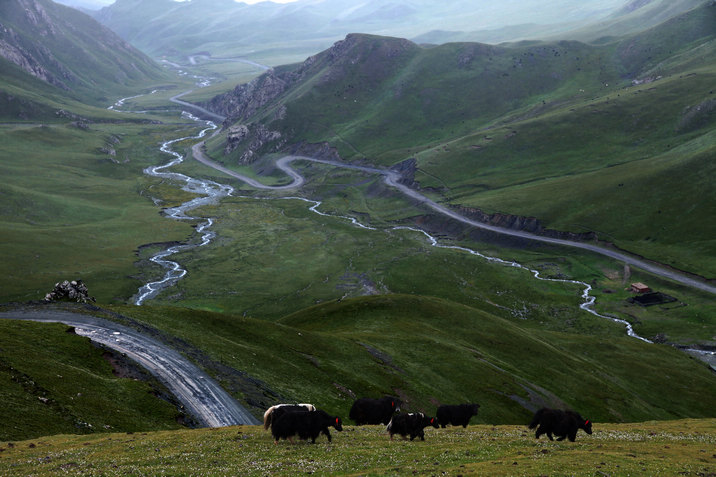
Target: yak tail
267	417
536	419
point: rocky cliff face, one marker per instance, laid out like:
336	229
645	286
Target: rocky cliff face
246	99
33	57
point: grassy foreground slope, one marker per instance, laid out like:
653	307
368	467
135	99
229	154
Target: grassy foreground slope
427	351
648	448
431	351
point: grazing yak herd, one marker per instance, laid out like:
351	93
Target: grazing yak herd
305	421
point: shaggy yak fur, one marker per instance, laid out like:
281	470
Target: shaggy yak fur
560	423
305	424
456	415
411	424
271	413
374	411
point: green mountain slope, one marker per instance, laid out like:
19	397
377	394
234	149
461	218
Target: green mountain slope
428	350
633	17
68	50
487	123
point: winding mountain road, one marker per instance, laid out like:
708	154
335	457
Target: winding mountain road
392	179
200	395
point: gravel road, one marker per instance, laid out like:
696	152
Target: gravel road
200	395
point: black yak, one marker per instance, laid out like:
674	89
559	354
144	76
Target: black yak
305	424
374	411
456	415
269	415
411	424
560	423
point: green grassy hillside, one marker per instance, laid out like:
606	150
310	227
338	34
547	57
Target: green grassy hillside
430	351
74	210
579	136
649	448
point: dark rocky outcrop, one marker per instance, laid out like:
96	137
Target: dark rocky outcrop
246	99
252	139
74	290
407	169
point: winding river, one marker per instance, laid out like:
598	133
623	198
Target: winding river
208	192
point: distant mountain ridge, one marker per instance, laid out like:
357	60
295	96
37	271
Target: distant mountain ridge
69	50
632	17
159	27
377	72
225	27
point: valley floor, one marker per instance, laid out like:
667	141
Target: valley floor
684	447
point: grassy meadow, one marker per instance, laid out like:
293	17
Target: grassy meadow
644	448
323	258
410	345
